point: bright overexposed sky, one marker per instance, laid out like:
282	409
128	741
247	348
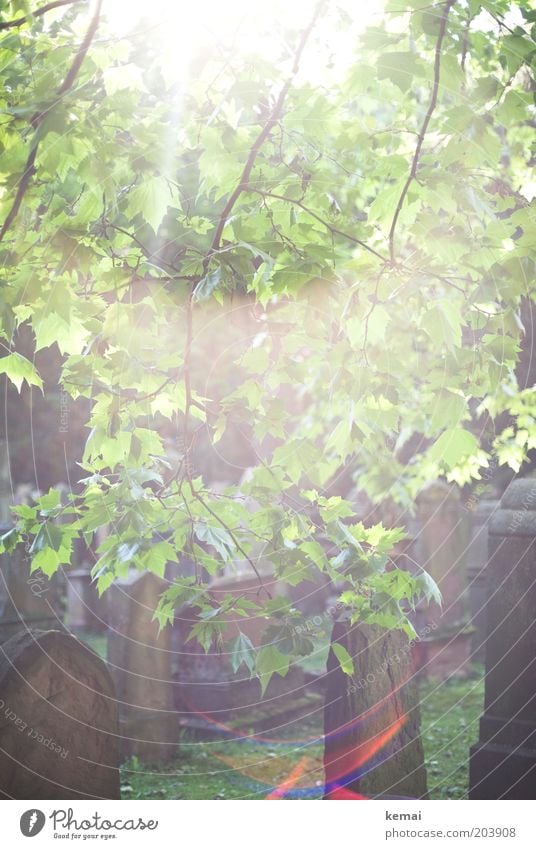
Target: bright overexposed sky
224	16
249	25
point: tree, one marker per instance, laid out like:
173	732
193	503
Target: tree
364	198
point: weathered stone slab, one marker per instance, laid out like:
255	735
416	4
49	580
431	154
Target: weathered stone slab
503	762
26	600
85	610
58	720
371	720
208	689
477	561
442	550
140	661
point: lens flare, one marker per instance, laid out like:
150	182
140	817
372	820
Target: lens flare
346	766
347	762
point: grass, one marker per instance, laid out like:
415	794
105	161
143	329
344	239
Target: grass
97	642
450	713
252	768
231	770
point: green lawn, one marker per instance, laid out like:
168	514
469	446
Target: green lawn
251	768
450	715
230	770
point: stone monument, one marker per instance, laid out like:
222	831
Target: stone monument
371	720
140	661
59	735
503	762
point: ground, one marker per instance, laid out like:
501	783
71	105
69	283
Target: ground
450	714
254	768
231	770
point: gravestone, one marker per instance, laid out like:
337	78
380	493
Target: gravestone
477	560
58	720
208	691
442	543
140	661
503	762
85	610
371	719
26	600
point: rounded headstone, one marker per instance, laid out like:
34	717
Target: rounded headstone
517	516
59	736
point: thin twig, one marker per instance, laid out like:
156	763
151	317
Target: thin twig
503	25
271	122
422	133
29	168
187	379
318	218
18	22
229	530
125	393
24	182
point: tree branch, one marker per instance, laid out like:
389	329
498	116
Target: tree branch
187	379
68	82
325	224
18	22
229	530
422	133
242	186
272	120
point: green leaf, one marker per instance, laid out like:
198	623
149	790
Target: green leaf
242	652
345	661
49	502
400	68
270	661
443	324
47	561
19	369
448	411
429	588
50	536
105	581
382	209
158	556
126	551
453	446
208	285
152	199
219	538
517	50
9	540
334	508
296	571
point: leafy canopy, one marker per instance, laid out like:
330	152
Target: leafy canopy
314	244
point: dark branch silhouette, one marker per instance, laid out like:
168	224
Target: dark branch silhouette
422	133
18	22
67	84
273	118
326	224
